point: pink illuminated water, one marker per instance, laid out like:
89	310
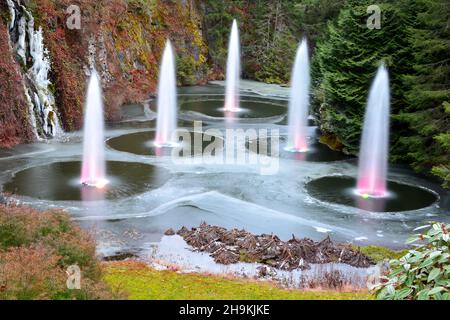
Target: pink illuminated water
299	101
93	172
233	71
373	158
167	99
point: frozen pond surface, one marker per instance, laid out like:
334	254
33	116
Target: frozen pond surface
175	251
231	196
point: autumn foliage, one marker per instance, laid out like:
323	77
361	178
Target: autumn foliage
14	126
125	39
36	248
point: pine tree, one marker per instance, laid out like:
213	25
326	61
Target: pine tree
218	18
347	61
270	32
427	116
274	43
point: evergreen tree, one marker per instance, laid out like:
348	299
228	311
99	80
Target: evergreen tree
427	115
274	44
347	61
218	18
312	16
270	32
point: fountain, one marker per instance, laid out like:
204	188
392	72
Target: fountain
233	71
373	159
93	172
299	101
373	193
167	100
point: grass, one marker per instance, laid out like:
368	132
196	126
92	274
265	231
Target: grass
378	254
140	282
37	247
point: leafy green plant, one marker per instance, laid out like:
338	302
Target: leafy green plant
423	273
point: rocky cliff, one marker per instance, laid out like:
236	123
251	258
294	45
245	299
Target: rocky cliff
15	126
50	49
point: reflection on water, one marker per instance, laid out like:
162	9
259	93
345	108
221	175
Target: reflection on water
93	200
230	117
317	152
249	109
227	195
341	190
60	181
141	143
90	194
370	204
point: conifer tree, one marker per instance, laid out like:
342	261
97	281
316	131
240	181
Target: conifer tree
427	143
347	61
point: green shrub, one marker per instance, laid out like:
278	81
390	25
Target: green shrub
36	248
423	273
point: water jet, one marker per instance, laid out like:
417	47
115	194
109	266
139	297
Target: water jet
233	71
93	172
167	100
373	158
299	101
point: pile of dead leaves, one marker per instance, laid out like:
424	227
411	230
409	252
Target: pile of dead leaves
232	246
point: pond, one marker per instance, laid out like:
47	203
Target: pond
309	195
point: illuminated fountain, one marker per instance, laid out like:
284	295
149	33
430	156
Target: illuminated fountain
299	101
167	100
300	143
93	172
373	158
373	192
233	71
233	107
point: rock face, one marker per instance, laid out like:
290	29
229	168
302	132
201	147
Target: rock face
15	126
31	54
123	39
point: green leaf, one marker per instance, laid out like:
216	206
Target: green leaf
390	290
435	290
438	296
412	239
433	274
435	254
423	295
403	293
396	272
426	263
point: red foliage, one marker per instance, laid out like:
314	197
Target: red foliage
14	126
36	248
126	80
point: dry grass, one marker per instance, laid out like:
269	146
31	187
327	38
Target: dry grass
36	248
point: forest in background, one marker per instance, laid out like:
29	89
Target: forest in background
125	38
413	42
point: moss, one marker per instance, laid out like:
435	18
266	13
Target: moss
144	283
331	141
4	16
378	254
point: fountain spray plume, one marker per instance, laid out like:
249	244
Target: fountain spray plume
93	172
233	71
299	101
167	100
374	152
